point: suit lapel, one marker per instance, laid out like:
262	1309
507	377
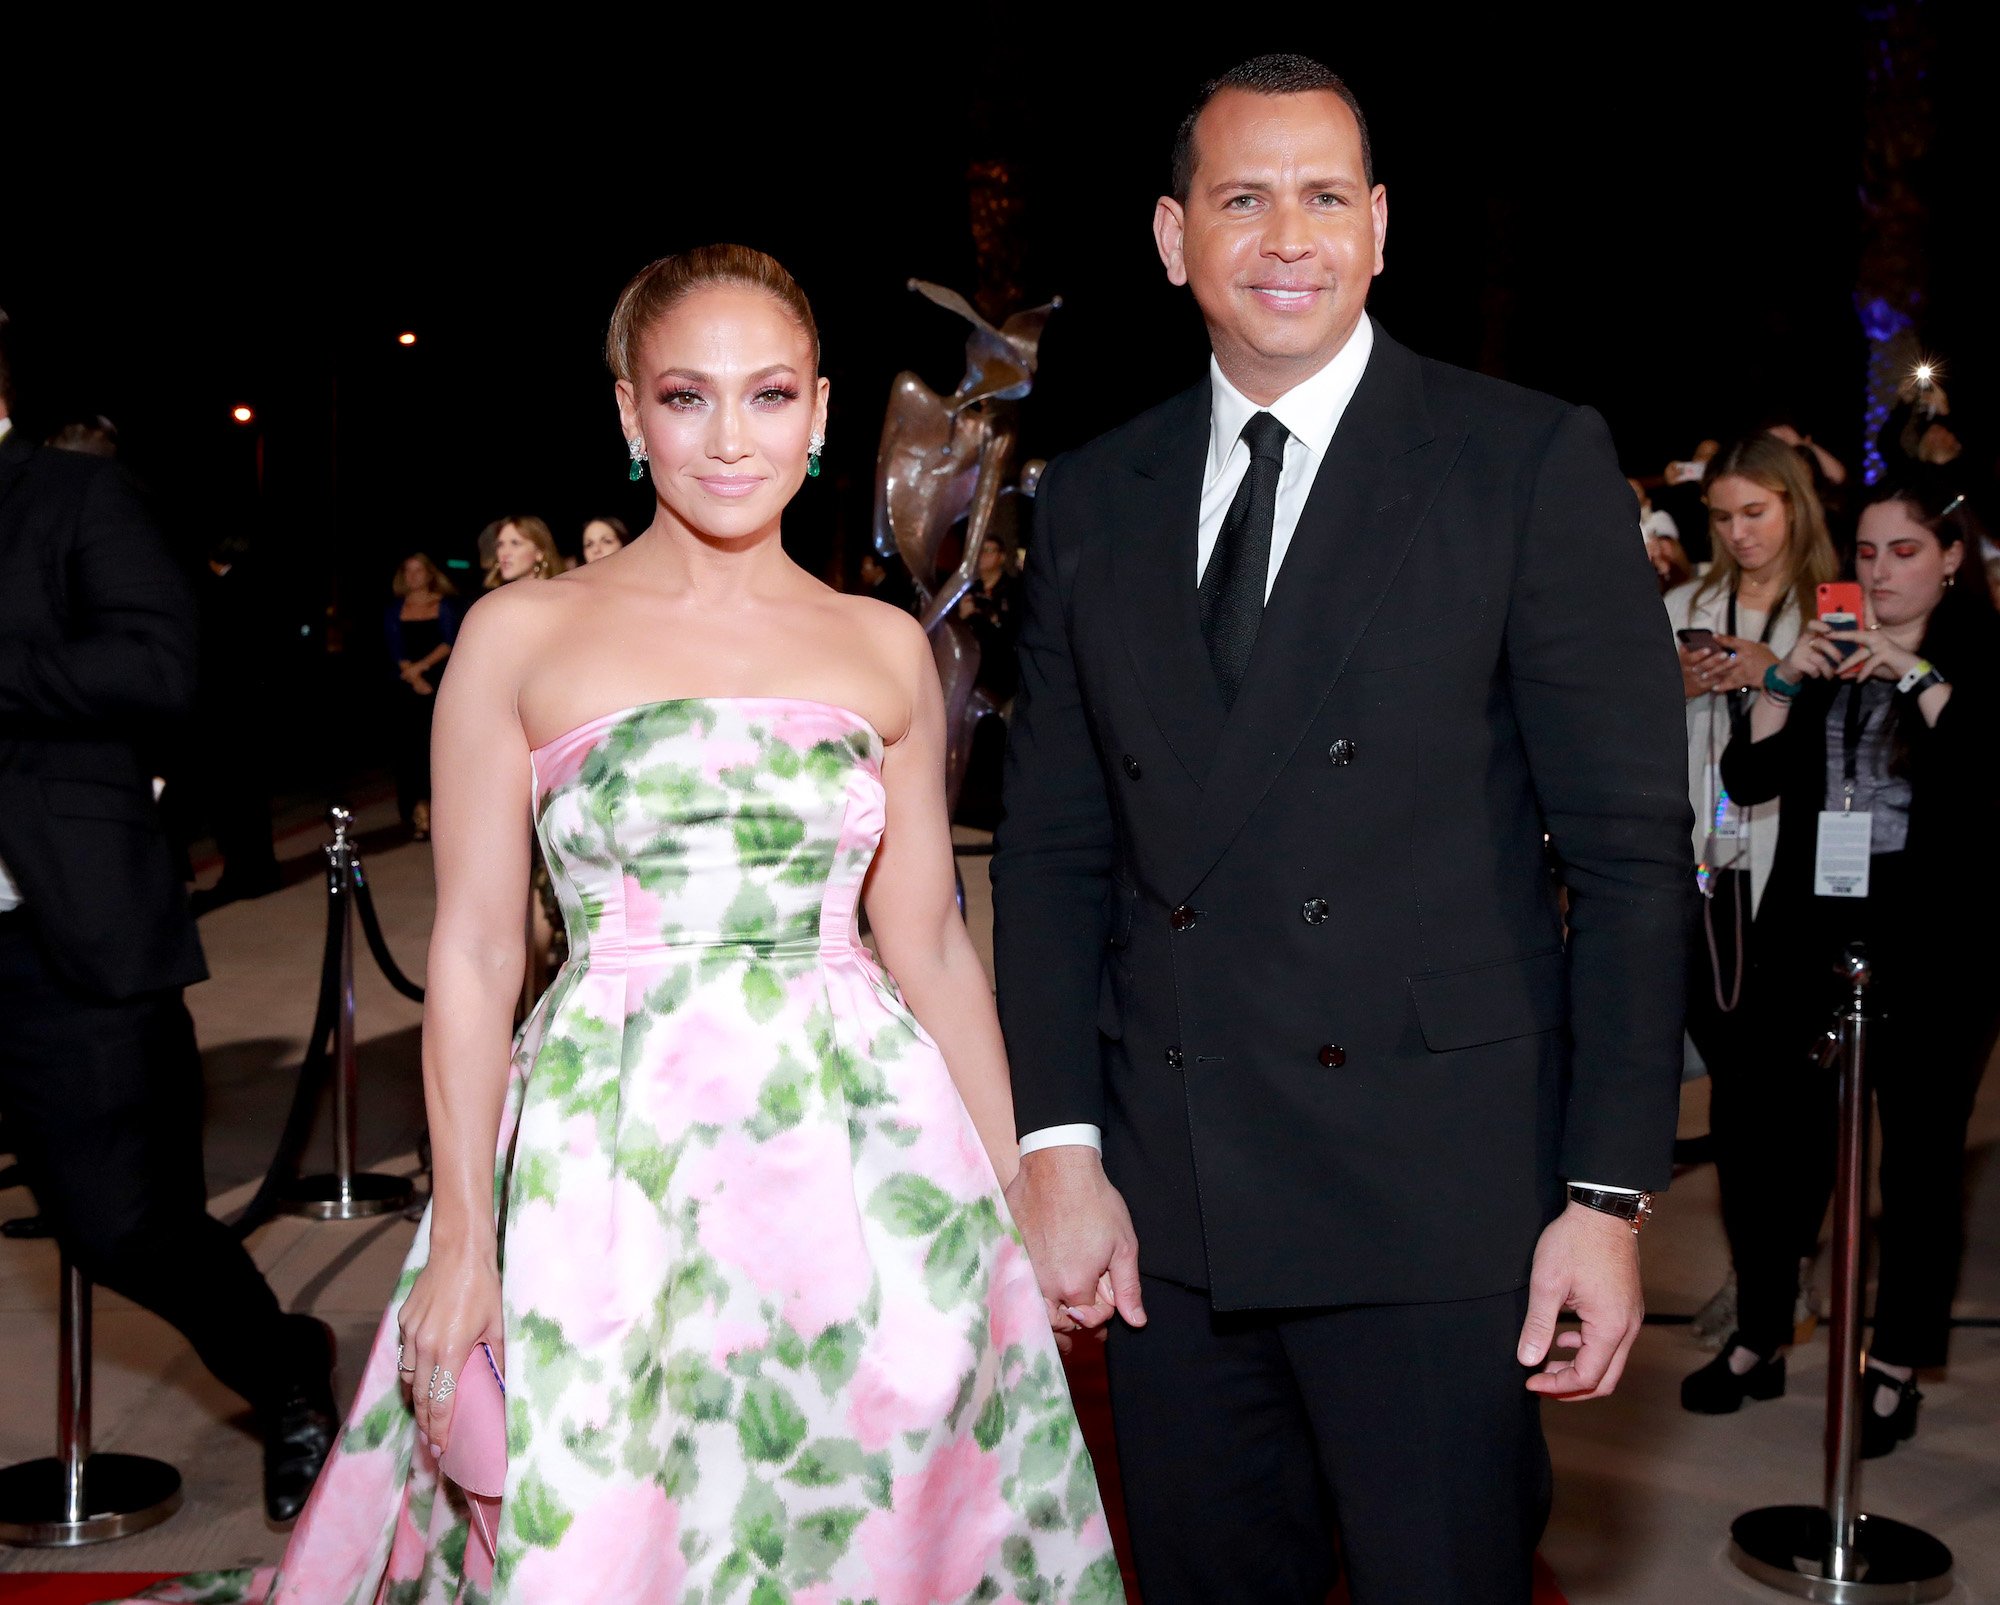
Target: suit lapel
1154	571
1378	480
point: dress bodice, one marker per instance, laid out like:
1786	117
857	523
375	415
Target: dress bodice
729	823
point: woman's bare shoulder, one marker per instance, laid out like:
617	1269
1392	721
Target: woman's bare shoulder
511	624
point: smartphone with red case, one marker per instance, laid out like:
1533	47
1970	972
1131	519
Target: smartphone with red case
1839	604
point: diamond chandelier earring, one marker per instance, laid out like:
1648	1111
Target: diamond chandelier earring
637	447
813	448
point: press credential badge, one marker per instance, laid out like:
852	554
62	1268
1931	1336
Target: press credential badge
1840	866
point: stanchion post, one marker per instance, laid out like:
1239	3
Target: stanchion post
79	1497
348	1193
1850	1222
73	1387
1834	1552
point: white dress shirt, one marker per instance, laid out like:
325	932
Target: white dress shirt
1310	411
10	894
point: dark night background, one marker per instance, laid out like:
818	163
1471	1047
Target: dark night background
1650	209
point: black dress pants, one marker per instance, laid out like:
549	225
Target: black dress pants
1246	1440
103	1107
1772	1113
230	772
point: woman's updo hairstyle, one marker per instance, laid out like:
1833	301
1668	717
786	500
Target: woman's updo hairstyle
659	287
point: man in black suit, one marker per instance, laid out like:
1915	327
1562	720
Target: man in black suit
100	1080
1315	655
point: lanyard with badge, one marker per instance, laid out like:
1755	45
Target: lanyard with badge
1726	821
1840	866
1728	832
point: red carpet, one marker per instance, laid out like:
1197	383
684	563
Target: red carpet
1093	1409
74	1588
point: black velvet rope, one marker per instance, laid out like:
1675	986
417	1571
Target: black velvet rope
313	1074
372	928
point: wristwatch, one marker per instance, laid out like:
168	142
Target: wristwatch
1635	1209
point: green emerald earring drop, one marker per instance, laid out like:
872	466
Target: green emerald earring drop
817	445
637	447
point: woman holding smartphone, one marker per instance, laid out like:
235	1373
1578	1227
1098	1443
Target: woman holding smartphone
1895	722
1772	551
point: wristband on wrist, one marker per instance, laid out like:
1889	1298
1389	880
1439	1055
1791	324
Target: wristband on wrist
1779	686
1921	678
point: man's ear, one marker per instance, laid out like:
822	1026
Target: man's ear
1169	231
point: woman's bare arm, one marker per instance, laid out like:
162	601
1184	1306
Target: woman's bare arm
480	811
912	899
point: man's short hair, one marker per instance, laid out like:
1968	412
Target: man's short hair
1280	74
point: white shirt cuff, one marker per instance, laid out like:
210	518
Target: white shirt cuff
1599	1187
1082	1135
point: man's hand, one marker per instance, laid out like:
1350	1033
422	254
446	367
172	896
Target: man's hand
1586	1261
1079	1236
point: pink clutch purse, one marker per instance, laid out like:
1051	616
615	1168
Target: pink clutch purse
476	1457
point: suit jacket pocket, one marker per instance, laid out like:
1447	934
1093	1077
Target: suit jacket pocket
1491	1002
99	799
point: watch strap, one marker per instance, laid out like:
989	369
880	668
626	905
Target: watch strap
1633	1208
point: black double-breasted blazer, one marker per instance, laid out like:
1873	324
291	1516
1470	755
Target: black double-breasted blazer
97	661
1305	961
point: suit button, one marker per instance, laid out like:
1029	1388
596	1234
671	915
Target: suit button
1175	1059
1342	752
1333	1056
1132	769
1183	917
1315	911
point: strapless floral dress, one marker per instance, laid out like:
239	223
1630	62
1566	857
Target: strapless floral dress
771	1334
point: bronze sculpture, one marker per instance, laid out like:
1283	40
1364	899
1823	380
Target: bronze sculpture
943	459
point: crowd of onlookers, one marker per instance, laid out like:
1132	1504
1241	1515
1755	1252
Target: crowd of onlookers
1840	656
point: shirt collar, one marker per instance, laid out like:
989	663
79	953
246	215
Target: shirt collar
1311	410
7	425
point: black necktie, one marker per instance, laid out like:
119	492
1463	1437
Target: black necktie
1233	584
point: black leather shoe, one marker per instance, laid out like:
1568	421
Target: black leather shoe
1715	1390
1881	1433
300	1423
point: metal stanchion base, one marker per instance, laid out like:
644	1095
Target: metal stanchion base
1785	1546
122	1494
352	1198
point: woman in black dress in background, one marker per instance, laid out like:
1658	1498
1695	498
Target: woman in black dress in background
1903	732
419	628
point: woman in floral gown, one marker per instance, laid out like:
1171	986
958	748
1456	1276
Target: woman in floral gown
730	1212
